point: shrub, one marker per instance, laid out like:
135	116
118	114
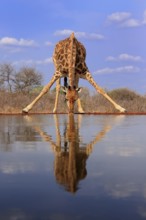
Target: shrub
123	94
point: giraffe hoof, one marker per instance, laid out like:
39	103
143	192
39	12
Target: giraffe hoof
81	111
54	111
123	110
24	111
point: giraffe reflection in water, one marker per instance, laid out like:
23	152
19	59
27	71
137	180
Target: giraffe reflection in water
71	156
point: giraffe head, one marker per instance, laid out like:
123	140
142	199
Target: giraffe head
71	95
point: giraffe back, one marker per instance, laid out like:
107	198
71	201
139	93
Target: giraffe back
69	58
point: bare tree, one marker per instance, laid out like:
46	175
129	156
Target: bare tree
6	76
26	79
1	81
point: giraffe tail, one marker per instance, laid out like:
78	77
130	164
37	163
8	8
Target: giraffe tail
72	59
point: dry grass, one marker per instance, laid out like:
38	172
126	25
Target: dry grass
14	102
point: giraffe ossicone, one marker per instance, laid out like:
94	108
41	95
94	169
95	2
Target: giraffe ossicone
69	60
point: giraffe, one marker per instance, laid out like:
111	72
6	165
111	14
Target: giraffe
69	60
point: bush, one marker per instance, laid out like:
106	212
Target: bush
123	94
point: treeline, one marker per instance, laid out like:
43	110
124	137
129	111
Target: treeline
19	87
22	80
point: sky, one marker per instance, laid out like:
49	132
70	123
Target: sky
112	31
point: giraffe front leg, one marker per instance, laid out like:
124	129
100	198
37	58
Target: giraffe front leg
44	91
57	95
80	109
90	79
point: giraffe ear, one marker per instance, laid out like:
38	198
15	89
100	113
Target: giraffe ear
79	89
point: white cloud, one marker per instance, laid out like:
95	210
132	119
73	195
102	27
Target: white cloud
131	23
111	58
122	69
9	41
118	16
124	19
124	57
128	57
63	32
34	62
90	36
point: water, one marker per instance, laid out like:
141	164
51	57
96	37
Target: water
72	168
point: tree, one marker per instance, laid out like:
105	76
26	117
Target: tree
26	79
6	76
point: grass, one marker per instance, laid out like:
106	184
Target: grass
13	103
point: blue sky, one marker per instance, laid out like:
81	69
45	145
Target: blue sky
113	33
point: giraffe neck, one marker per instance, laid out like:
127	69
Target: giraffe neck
72	60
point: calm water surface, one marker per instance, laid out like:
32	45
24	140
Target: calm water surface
72	168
